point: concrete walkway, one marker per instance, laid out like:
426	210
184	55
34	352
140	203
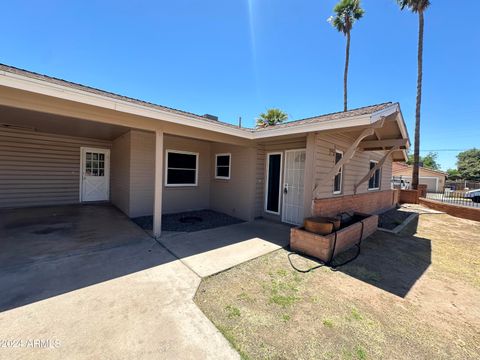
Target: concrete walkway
132	300
211	251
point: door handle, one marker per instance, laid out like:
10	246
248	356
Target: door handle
285	189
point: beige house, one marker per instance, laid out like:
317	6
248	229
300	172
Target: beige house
63	143
434	179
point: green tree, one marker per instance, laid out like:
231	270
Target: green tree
418	7
346	13
427	161
453	174
468	164
271	118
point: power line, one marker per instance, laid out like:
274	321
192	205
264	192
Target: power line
435	150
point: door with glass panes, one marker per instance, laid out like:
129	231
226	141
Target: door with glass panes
95	174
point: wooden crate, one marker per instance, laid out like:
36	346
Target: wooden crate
321	246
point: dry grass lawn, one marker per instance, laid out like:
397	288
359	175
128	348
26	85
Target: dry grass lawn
406	297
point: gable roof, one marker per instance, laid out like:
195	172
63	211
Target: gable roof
365	110
338	120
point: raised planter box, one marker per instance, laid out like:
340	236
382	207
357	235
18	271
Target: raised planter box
322	246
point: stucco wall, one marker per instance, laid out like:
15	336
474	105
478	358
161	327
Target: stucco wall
235	196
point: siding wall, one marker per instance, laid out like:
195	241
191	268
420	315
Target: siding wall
120	173
235	196
39	168
353	171
139	163
142	173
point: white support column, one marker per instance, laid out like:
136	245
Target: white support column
157	205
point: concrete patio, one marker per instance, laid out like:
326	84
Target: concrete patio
90	283
103	291
211	251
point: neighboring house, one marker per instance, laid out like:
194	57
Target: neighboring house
434	179
63	143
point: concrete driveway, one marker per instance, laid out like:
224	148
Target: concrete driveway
85	282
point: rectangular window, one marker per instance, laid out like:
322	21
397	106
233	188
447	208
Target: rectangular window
337	182
374	182
181	168
222	166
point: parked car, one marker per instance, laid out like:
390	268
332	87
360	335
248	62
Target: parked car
474	195
399	183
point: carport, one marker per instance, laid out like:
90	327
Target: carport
64	143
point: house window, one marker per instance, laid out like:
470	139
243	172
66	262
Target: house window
181	168
374	182
222	166
337	182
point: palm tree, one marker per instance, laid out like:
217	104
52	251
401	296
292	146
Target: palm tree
346	13
271	117
419	7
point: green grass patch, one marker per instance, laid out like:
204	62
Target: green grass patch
355	314
233	342
328	323
285	317
232	311
283	300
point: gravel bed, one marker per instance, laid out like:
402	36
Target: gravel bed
189	221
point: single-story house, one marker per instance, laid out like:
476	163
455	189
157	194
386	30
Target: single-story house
434	179
63	143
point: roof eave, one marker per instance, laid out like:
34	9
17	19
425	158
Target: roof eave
42	87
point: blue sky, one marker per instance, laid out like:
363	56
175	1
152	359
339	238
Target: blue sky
239	57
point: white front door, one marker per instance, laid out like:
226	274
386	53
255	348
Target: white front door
95	174
293	206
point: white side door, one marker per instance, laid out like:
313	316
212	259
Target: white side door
95	174
294	173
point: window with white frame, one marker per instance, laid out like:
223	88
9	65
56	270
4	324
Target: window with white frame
181	168
337	181
222	166
374	182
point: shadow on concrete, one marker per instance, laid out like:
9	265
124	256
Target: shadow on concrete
188	244
391	262
49	251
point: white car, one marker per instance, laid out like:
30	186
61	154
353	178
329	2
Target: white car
474	195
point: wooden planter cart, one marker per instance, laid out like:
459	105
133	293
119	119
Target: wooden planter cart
327	247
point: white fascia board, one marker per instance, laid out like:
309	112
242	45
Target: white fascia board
394	108
320	126
60	91
42	87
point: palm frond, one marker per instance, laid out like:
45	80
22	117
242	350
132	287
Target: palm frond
346	13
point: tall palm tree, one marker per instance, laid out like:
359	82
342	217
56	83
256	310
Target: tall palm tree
346	13
271	118
418	7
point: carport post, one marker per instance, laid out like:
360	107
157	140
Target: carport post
157	205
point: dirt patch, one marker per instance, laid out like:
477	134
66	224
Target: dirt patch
415	295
